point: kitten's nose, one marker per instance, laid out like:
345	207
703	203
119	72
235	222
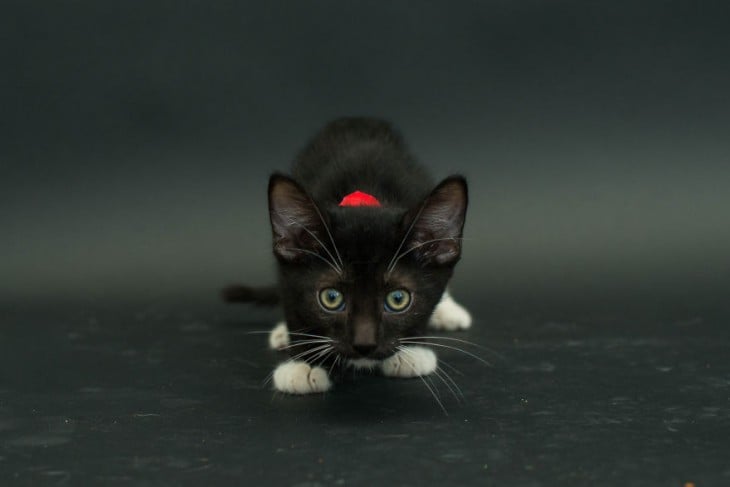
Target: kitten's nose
364	350
363	336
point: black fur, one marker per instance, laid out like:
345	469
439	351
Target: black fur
319	244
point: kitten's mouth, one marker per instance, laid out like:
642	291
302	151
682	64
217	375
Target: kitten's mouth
369	352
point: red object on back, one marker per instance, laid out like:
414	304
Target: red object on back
358	198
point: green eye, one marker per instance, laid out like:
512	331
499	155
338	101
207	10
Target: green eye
397	301
331	299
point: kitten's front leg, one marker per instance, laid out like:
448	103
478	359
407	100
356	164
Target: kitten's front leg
411	361
295	376
298	377
279	336
449	315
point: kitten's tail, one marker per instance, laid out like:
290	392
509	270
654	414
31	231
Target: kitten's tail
259	296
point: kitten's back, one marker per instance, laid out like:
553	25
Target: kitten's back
363	154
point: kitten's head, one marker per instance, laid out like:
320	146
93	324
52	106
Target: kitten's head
364	276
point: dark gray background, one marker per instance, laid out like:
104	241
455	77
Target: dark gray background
137	139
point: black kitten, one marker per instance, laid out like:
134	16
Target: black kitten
366	244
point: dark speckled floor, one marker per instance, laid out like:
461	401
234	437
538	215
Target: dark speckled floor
171	395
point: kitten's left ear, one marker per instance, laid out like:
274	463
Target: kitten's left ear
436	227
297	225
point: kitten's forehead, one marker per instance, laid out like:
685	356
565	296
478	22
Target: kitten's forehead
365	234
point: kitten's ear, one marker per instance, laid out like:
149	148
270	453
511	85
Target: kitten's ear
436	227
296	222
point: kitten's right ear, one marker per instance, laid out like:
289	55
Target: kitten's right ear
437	226
297	225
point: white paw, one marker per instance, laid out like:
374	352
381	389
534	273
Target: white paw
279	336
300	378
449	315
410	362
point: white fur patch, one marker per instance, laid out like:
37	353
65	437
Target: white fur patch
363	363
410	362
449	315
279	336
300	378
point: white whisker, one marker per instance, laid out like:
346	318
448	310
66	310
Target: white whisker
438	401
452	381
309	335
315	254
436	372
449	347
329	234
394	261
266	332
323	353
326	356
399	257
311	351
451	367
409	352
299	343
334	363
299	356
292	221
467	342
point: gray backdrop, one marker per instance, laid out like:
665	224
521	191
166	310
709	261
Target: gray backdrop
137	138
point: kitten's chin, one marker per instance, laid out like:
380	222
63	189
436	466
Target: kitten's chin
371	361
363	363
374	356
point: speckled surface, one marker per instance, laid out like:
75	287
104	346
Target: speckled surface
173	395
